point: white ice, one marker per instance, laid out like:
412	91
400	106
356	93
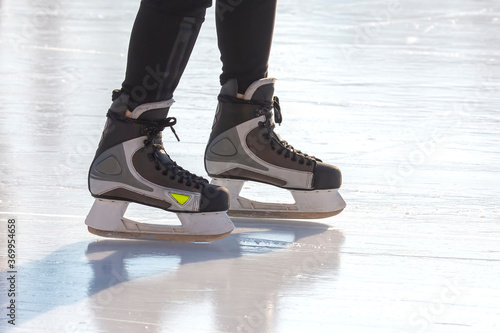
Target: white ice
402	95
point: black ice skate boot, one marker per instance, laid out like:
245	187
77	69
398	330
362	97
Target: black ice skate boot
244	146
131	165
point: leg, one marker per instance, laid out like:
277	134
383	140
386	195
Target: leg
131	164
244	33
162	39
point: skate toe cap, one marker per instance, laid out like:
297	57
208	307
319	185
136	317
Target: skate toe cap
214	199
326	176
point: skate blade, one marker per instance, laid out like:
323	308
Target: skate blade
309	204
281	214
106	219
156	236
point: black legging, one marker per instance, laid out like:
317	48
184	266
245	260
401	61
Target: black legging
165	32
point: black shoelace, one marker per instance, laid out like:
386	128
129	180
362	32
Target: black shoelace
153	129
280	146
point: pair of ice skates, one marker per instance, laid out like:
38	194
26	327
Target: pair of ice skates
131	165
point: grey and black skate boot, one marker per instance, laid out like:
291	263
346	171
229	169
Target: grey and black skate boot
243	146
131	165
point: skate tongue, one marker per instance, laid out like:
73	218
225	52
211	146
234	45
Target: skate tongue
149	111
152	111
277	136
164	157
261	90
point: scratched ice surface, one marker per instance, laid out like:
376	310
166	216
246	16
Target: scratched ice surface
402	95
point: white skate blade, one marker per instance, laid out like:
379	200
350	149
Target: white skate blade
106	219
312	204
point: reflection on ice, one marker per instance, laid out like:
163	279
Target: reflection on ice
401	95
235	274
152	282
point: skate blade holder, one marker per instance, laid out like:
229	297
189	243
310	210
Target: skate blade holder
312	204
106	219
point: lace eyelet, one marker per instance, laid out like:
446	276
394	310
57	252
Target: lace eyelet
157	168
172	177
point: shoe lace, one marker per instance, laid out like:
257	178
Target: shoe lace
282	147
152	130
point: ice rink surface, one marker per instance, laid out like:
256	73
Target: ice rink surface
404	96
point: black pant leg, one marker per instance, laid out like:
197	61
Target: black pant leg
161	43
245	31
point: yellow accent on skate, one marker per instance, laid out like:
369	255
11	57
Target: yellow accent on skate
180	198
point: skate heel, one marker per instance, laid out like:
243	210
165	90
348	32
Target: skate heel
105	214
106	219
309	204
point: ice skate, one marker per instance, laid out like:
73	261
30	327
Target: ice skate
131	165
243	146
